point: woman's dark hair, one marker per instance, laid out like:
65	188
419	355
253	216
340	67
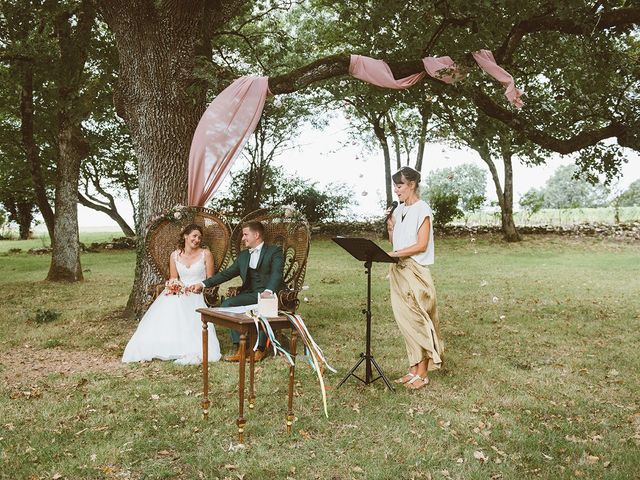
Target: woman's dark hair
186	231
407	173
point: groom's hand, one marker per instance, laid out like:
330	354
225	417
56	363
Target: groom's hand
196	288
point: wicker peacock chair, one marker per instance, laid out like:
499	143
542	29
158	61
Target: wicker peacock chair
164	233
290	230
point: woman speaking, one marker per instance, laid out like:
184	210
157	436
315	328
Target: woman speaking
413	295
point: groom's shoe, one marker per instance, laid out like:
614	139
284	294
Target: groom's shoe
259	355
233	358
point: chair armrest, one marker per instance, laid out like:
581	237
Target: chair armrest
288	300
211	296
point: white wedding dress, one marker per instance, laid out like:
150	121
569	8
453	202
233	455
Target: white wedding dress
171	329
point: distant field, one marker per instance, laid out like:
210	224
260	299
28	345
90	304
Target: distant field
42	240
555	216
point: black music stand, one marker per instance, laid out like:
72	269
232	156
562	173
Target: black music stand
368	252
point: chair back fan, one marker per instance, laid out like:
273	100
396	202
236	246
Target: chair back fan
284	227
164	234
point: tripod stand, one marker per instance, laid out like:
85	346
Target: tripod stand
363	249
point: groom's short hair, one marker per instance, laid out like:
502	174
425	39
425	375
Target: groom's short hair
255	226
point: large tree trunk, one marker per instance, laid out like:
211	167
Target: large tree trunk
508	225
25	217
161	102
65	258
505	198
73	34
30	148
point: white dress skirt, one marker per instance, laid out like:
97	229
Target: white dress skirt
171	329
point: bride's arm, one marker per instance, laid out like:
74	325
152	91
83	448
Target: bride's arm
173	271
208	262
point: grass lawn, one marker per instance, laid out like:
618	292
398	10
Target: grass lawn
540	378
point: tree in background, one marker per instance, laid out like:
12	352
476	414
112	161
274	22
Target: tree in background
279	188
455	192
532	201
566	189
109	171
631	196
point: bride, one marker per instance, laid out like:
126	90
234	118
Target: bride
171	329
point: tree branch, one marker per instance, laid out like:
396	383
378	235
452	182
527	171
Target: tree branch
621	17
338	65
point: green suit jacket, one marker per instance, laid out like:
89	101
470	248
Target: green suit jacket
268	271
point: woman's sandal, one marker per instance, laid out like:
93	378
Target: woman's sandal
410	384
405	379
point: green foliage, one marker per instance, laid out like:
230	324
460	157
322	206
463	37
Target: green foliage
454	192
444	204
279	188
631	196
565	189
532	201
45	315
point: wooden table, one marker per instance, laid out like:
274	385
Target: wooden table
247	329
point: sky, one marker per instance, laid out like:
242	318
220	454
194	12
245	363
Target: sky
328	155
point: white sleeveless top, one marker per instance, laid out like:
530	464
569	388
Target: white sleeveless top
405	231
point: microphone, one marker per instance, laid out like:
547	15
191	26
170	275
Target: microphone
392	207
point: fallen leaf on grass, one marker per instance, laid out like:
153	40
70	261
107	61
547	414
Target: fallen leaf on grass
230	466
357	470
155	397
592	459
479	455
57	476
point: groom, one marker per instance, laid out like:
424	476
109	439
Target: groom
260	268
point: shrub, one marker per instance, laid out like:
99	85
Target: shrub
46	315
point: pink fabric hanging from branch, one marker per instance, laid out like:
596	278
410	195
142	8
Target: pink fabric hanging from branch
435	66
233	115
485	59
222	132
377	72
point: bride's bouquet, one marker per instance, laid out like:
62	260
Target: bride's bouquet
174	287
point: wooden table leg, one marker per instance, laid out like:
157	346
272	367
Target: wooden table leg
241	422
292	373
252	364
205	369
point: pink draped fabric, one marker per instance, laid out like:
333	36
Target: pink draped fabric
222	132
435	66
377	72
485	59
233	115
